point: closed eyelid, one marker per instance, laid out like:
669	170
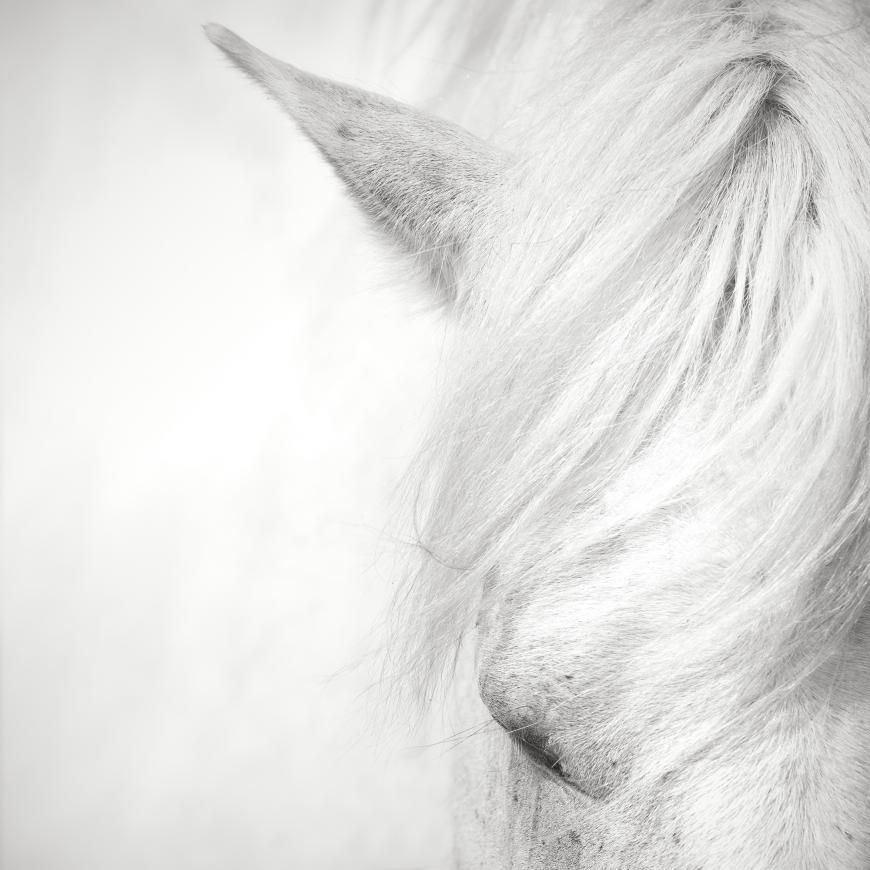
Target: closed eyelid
530	738
534	744
594	773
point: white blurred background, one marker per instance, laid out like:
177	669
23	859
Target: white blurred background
211	385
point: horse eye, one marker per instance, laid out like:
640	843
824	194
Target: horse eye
534	744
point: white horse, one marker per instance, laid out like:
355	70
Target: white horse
643	507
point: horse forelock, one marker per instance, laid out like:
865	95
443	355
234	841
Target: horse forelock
655	426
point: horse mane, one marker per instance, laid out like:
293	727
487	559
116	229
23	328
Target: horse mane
656	413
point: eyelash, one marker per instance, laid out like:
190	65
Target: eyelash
549	762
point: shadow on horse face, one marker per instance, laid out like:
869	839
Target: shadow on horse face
644	501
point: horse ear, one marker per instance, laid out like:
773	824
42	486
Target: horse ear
421	178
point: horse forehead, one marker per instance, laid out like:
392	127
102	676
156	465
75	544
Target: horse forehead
674	540
677	552
549	640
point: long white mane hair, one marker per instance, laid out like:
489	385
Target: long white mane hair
656	412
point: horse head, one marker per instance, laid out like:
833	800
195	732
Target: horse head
642	510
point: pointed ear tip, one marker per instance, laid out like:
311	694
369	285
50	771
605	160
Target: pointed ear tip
221	37
248	58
